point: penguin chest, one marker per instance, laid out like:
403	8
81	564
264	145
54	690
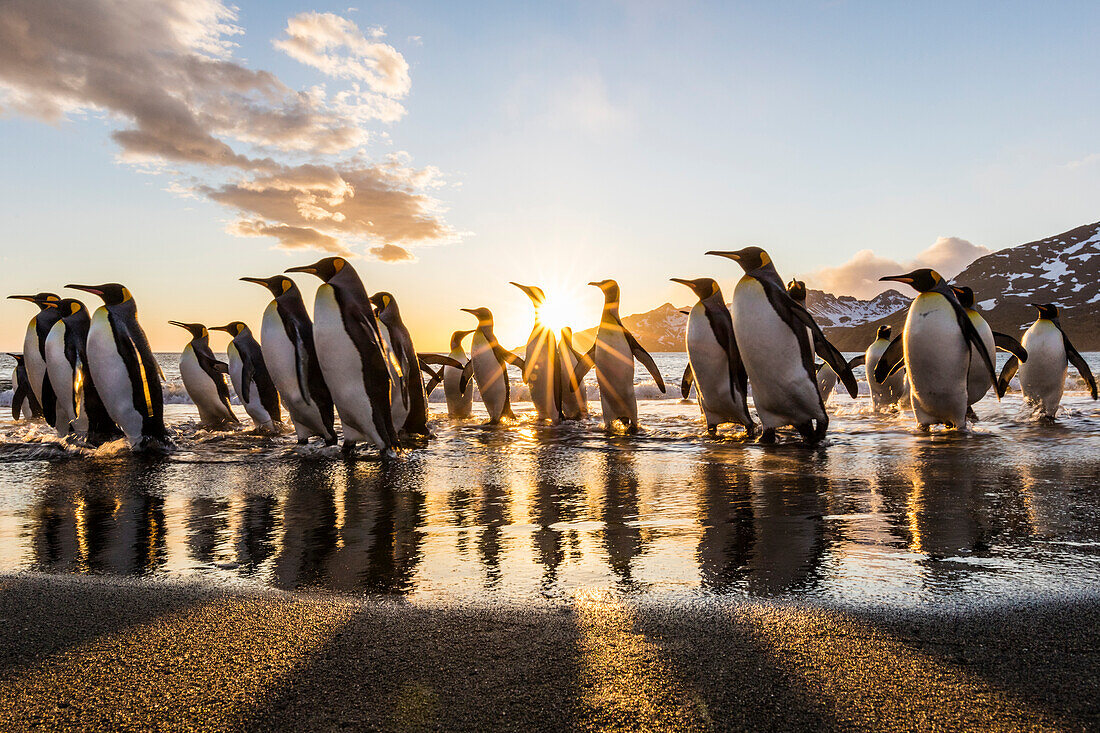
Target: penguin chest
614	358
709	361
36	365
490	375
539	365
1044	372
937	357
61	373
458	403
783	391
200	385
280	357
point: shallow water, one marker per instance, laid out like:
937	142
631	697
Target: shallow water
880	514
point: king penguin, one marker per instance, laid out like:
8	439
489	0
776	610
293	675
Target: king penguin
34	351
574	365
977	381
542	369
1043	375
353	357
286	337
125	371
936	351
717	369
204	378
613	354
80	409
401	346
251	379
895	388
778	338
826	375
489	366
460	401
24	405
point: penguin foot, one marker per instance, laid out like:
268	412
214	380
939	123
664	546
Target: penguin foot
388	454
632	428
331	441
924	428
767	437
348	447
303	441
712	430
971	415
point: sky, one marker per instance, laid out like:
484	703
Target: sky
449	148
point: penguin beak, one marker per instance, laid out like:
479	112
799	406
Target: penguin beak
86	288
597	285
687	283
310	269
257	280
220	328
734	255
897	278
529	291
181	325
471	311
28	298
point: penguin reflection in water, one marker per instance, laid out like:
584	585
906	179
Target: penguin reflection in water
204	378
714	360
613	355
1043	375
778	337
251	379
936	350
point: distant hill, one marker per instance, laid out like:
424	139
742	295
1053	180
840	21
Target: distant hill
1063	269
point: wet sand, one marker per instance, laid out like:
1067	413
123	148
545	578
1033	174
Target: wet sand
119	654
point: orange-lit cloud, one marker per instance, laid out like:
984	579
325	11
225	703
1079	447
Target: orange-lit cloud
163	74
860	275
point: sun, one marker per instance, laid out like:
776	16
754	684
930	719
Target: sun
557	312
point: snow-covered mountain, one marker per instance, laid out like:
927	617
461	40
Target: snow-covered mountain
1064	269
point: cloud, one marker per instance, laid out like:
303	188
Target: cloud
163	75
1088	160
391	253
860	275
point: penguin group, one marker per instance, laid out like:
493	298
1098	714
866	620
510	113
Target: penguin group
93	376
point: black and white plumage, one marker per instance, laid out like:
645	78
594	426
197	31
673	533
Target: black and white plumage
251	379
286	337
24	405
1043	375
778	339
125	371
488	365
542	368
34	352
204	378
353	356
717	369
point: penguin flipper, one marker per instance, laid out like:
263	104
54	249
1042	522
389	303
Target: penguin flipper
507	357
301	364
721	325
467	374
17	400
435	380
1004	342
970	334
686	382
857	361
647	361
248	374
438	359
892	359
1007	374
1079	364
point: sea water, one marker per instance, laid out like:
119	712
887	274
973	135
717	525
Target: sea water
879	514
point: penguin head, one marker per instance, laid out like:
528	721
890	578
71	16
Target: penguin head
484	315
965	295
1049	311
197	330
456	339
797	290
67	306
325	268
610	290
384	301
750	258
42	300
277	285
923	279
18	358
112	293
534	292
884	332
233	328
703	287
